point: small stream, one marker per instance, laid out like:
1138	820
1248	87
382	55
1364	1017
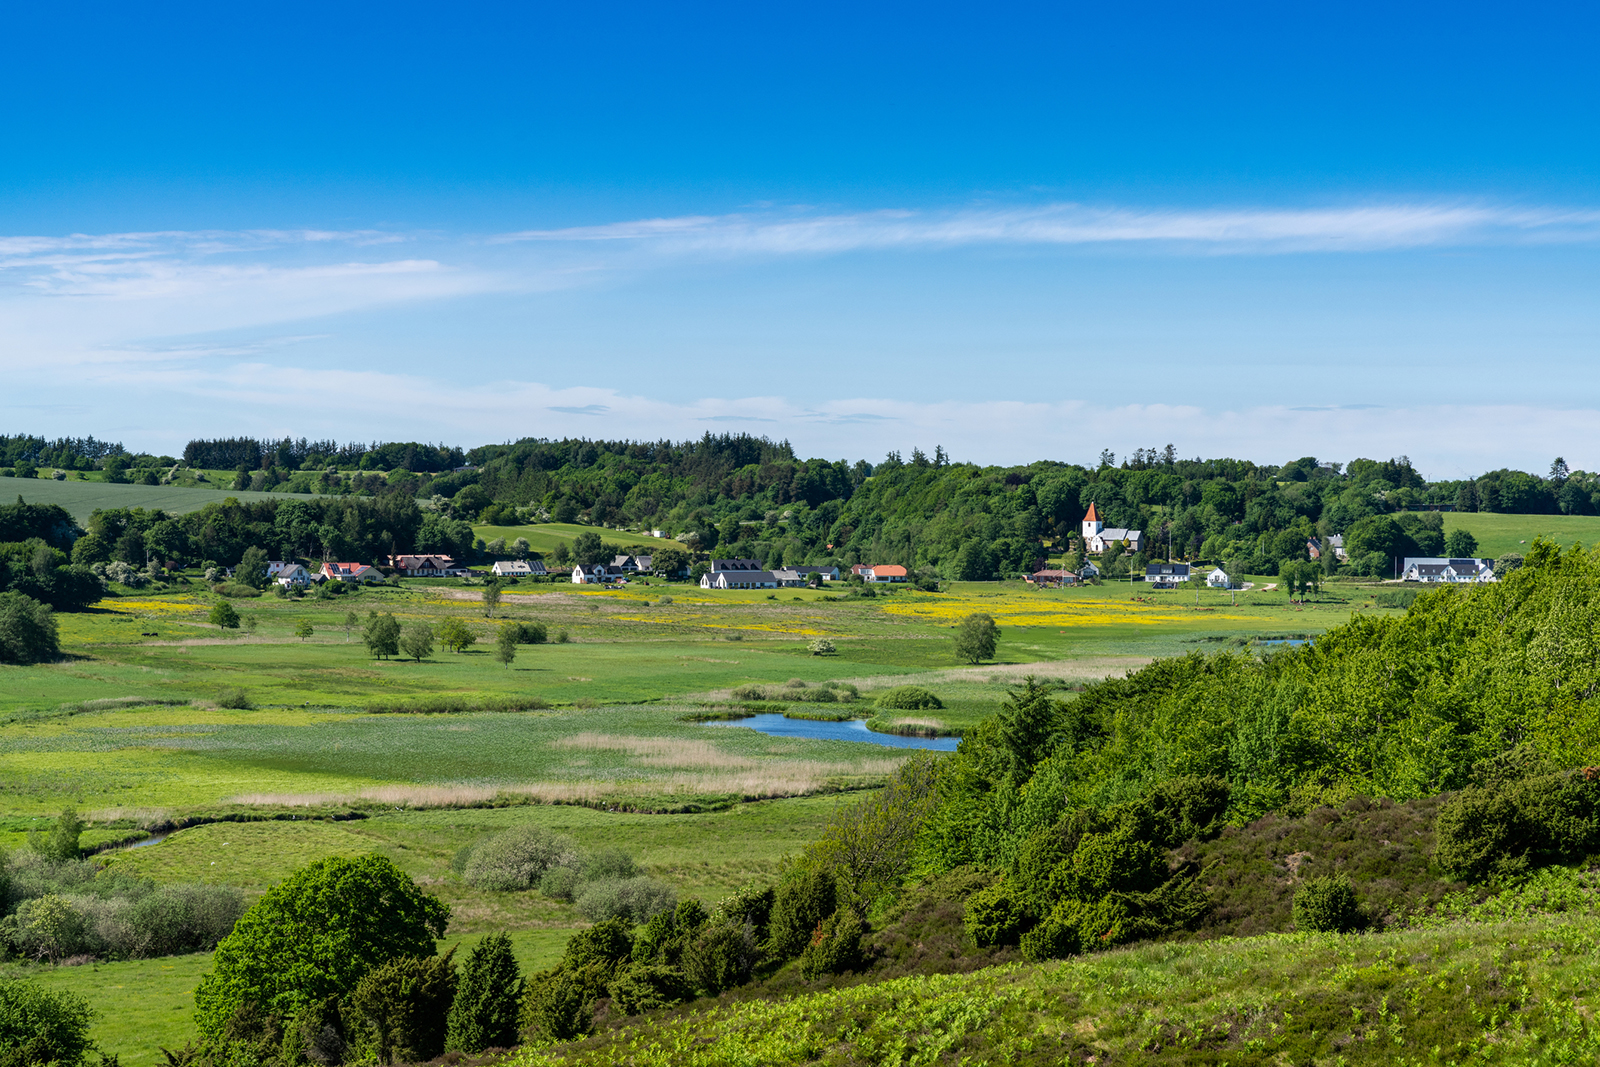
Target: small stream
777	725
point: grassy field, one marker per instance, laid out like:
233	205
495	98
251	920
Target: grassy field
613	742
80	499
1500	534
545	536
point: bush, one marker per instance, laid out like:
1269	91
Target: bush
27	630
821	647
637	899
528	633
61	843
50	928
234	590
401	1010
40	1026
561	883
488	1000
801	903
517	859
234	698
721	956
223	615
908	698
559	1006
641	987
994	915
1503	828
835	947
1327	905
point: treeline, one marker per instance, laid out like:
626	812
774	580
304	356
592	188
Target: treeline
247	453
67	453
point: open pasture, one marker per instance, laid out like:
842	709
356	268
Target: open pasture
1499	534
545	536
80	499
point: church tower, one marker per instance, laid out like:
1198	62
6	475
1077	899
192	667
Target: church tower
1091	524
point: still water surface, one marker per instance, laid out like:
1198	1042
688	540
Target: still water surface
854	730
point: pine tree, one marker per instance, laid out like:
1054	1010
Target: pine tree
488	999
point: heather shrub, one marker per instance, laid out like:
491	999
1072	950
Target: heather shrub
835	946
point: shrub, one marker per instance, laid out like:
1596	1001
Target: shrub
315	935
1327	905
488	1000
636	899
50	928
401	1009
908	698
559	1006
528	633
1502	828
608	863
234	590
41	1026
235	698
821	647
223	615
517	858
61	843
561	883
641	987
801	903
721	956
27	630
994	915
835	947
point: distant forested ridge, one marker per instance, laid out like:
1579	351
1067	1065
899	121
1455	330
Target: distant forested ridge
751	497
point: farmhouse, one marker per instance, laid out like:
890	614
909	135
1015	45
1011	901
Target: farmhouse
631	564
829	574
751	579
1437	570
427	566
1218	579
350	572
1097	536
518	568
1166	575
1050	578
735	565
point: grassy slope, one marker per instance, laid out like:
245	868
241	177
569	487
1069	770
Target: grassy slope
1516	992
545	536
82	498
1499	534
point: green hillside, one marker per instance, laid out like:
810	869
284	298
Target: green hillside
545	536
1499	534
82	498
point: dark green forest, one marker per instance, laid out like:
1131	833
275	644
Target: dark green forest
750	497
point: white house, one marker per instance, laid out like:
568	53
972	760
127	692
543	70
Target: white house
1088	570
1097	536
518	568
1435	570
591	574
276	567
728	579
292	574
735	565
1218	579
427	566
1166	575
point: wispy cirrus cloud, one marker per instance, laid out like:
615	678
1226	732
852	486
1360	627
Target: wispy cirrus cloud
1239	230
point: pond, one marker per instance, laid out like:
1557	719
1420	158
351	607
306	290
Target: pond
853	730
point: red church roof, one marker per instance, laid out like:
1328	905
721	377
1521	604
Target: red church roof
1091	517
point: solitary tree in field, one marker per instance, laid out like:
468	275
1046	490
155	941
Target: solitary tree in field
382	635
224	616
505	645
454	635
976	638
821	647
303	629
351	621
491	597
417	642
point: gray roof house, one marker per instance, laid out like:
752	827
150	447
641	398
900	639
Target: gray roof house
1166	575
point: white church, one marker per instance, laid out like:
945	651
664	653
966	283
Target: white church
1097	536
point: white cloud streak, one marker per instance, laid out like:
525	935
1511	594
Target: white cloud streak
1259	231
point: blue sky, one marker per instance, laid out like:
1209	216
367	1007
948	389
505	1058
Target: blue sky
1020	232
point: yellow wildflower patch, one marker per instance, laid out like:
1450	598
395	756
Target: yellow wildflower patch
1033	612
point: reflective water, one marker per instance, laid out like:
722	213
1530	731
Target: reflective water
854	730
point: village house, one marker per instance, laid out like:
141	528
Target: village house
880	572
1047	578
1434	570
735	565
292	575
1166	575
747	579
592	574
829	573
1218	579
518	568
631	564
427	566
351	572
1097	537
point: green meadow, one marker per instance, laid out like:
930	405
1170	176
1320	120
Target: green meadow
83	498
332	755
1499	534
